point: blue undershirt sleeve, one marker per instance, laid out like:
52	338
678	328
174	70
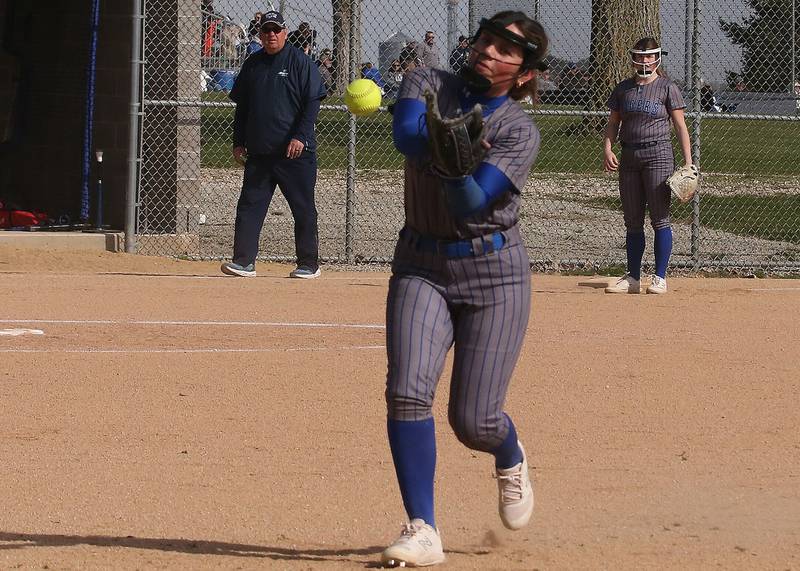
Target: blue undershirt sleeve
409	132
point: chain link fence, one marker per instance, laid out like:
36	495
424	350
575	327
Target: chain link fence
735	61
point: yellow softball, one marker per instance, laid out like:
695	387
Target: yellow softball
363	97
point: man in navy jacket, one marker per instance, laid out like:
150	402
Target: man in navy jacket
277	94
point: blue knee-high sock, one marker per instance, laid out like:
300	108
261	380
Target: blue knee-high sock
663	250
634	247
413	445
508	454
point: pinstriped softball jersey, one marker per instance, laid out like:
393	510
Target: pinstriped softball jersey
645	109
479	304
515	143
643	171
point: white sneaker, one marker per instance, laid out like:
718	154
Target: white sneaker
625	284
305	273
515	494
419	545
248	271
657	285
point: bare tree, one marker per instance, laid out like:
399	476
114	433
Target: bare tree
342	13
616	26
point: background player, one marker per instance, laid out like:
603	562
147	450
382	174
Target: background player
642	108
461	276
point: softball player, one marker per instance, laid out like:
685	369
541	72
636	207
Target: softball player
461	277
642	108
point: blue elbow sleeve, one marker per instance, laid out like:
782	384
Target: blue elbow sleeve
464	196
471	194
409	133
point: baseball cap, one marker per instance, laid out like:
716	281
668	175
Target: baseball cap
272	17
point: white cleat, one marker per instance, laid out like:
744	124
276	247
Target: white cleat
515	494
419	545
657	285
625	284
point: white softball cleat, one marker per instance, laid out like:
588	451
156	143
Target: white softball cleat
515	494
419	545
657	285
625	284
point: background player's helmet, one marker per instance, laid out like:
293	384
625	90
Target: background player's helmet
645	46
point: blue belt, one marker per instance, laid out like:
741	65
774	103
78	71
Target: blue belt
478	246
644	145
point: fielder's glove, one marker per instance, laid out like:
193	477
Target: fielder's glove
684	182
455	144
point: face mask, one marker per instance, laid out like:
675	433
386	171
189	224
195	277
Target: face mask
645	69
477	83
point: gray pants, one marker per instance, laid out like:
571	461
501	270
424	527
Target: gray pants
480	305
643	175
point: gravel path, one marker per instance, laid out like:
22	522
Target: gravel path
561	220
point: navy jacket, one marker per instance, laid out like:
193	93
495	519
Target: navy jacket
277	99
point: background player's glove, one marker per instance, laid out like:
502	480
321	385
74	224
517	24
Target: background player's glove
455	144
684	182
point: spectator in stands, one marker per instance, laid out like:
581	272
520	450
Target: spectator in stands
303	38
428	53
409	57
797	96
546	82
327	71
253	46
369	72
708	101
394	77
255	26
459	57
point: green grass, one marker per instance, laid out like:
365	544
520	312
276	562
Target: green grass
775	217
727	146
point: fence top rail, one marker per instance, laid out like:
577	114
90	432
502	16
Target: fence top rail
545	112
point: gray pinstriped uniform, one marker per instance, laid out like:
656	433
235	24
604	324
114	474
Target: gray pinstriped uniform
478	304
643	172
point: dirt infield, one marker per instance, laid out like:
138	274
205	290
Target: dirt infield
168	417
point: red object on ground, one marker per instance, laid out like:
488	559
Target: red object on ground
12	218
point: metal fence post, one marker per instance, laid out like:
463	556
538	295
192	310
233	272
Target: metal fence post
696	120
134	136
471	17
687	56
452	25
351	142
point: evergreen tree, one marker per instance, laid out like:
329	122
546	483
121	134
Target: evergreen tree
766	40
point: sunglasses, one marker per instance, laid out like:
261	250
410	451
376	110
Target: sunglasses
272	30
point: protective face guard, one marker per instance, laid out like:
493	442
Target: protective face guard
479	84
645	69
499	29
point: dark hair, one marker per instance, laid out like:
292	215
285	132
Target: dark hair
648	43
533	31
461	38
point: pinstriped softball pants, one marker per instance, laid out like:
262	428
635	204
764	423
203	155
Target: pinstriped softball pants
478	305
643	175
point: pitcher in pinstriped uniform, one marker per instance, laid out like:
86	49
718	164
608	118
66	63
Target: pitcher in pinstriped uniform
644	108
461	278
